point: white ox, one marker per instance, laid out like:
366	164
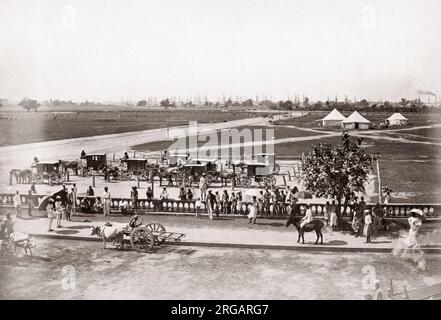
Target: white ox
114	232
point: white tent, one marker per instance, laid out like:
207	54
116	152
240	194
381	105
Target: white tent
397	119
333	119
356	121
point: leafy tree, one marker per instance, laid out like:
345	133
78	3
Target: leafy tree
247	103
306	102
141	103
166	103
286	105
338	172
29	104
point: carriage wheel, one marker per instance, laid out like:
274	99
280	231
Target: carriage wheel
246	182
142	239
209	178
102	166
276	169
61	177
127	175
157	227
143	176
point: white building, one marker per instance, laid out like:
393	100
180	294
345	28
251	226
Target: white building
397	119
333	119
356	122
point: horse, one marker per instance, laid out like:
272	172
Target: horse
314	225
22	176
74	165
166	173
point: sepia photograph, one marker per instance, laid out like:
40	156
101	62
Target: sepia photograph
232	151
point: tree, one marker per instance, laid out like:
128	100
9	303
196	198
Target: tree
141	103
306	102
338	172
166	103
286	105
247	103
29	104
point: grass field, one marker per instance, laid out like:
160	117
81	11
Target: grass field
19	128
313	118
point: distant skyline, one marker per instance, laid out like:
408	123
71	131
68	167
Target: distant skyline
113	50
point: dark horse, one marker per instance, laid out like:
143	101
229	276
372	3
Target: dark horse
314	225
74	165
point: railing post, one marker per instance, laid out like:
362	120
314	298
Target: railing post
67	176
289	176
10	178
93	181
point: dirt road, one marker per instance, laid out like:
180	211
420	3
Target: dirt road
64	269
20	156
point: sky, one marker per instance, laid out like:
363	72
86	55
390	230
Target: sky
131	49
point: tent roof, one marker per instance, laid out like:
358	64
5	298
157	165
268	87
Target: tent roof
355	117
397	116
334	115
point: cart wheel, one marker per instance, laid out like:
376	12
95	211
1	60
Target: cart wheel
142	239
157	227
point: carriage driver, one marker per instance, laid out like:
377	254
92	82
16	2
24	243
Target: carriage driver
307	218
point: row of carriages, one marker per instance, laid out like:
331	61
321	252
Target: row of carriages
179	169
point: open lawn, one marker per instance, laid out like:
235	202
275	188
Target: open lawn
22	127
312	119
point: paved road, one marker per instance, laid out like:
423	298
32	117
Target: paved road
82	270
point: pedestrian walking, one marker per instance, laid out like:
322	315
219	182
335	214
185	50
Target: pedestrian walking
333	216
107	199
233	201
59	210
33	189
218	203
260	203
327	212
198	206
134	197
9	224
225	201
70	204
149	193
203	187
17	204
211	202
239	202
30	201
252	216
233	183
267	202
367	230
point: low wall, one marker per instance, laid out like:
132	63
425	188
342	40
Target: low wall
398	210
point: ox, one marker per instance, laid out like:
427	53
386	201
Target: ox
112	232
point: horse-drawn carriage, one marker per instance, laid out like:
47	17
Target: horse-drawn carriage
94	164
260	172
194	170
137	167
50	171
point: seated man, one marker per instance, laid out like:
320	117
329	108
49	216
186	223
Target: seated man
123	206
307	218
84	205
98	206
133	223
